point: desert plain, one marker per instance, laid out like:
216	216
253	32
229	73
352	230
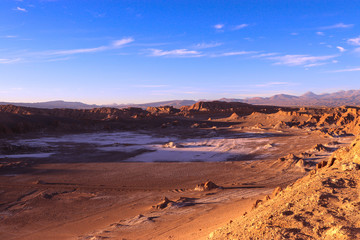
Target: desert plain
159	173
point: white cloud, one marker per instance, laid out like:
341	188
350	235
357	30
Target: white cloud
320	33
174	53
338	25
61	55
9	36
169	92
341	49
269	84
114	45
150	86
11	90
194	53
20	9
265	55
298	60
219	26
348	70
235	53
241	26
7	60
207	45
294	34
354	41
81	50
314	64
121	42
57	59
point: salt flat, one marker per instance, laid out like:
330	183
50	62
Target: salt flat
94	184
206	149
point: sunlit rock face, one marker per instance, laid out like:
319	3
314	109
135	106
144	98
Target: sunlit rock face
322	205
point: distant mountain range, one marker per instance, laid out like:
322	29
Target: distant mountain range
80	105
351	97
174	103
53	104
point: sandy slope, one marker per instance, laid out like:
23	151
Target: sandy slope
322	205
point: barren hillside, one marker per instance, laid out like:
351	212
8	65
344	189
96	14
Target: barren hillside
322	205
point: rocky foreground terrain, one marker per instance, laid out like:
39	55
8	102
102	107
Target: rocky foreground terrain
108	173
325	204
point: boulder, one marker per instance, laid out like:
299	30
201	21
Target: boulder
207	186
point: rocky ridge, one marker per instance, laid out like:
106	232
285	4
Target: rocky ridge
333	122
322	205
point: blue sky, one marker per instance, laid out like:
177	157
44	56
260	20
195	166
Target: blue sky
141	51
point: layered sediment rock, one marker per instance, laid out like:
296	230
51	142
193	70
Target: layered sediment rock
218	107
163	110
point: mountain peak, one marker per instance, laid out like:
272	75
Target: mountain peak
309	94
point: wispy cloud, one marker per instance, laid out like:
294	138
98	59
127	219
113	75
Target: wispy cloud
269	84
241	26
265	55
169	92
20	9
7	60
150	86
354	41
207	45
114	45
80	50
219	26
320	33
300	60
194	53
11	90
57	59
121	42
347	70
315	64
61	55
341	49
9	36
227	54
175	53
338	25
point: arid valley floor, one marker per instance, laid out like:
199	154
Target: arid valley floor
164	173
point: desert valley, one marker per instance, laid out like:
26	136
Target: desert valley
168	173
179	120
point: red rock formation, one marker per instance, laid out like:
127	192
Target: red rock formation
162	110
218	107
